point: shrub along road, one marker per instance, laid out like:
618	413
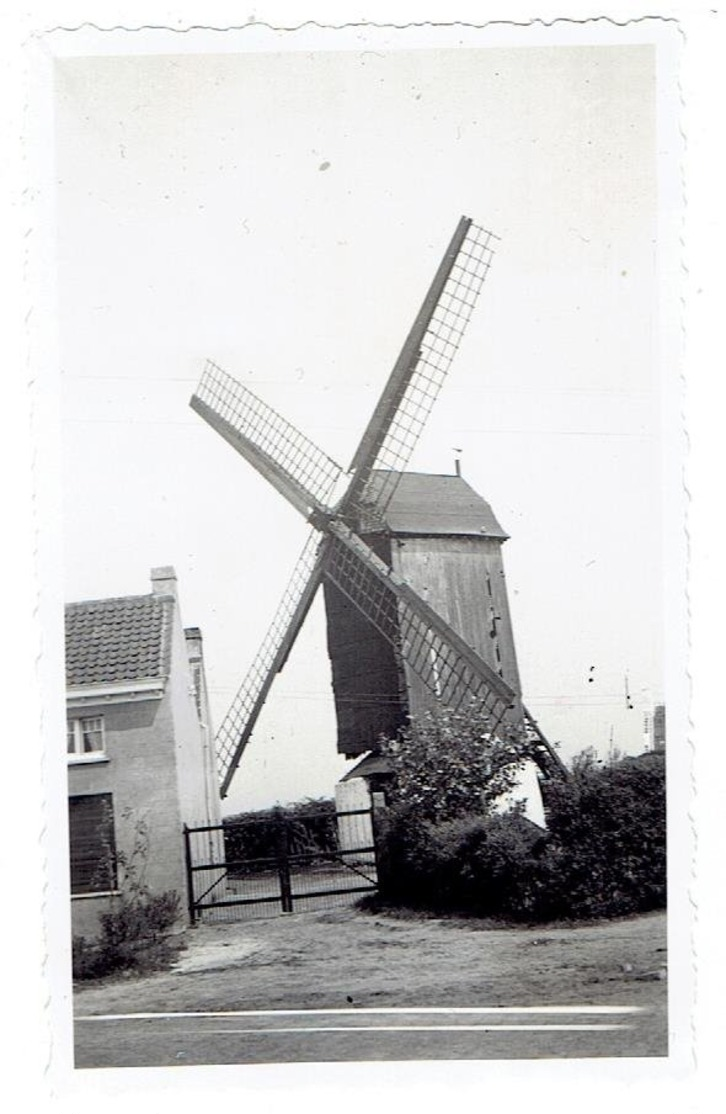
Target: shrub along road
377	979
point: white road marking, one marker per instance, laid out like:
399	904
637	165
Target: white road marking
381	1011
291	1030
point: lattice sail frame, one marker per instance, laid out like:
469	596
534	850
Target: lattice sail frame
238	724
305	474
422	368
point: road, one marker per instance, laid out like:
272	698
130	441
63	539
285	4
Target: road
347	985
267	1036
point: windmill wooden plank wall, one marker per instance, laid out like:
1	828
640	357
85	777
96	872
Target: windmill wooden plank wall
444	541
369	685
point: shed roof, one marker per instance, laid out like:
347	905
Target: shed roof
369	766
425	504
118	640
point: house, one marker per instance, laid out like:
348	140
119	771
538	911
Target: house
443	540
141	759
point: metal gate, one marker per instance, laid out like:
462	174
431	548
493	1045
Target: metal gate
286	862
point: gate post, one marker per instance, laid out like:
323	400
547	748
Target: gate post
191	905
283	864
378	806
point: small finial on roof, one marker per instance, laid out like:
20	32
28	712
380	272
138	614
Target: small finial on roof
457	462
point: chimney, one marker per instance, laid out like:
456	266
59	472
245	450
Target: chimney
163	581
193	636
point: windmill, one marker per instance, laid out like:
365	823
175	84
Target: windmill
347	514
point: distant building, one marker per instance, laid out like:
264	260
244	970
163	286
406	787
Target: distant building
140	751
655	729
659	727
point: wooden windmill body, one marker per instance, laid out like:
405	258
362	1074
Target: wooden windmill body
416	604
442	539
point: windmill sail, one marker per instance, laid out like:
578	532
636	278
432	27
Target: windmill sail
292	463
421	369
236	728
542	750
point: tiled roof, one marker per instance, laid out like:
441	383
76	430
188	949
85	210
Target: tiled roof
447	505
117	640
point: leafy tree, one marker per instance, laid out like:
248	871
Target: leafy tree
448	764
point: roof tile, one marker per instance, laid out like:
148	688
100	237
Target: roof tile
118	640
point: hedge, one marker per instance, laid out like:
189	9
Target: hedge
603	854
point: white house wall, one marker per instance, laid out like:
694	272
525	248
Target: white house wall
198	788
138	770
159	768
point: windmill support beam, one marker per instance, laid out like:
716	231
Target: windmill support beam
545	754
301	499
389	401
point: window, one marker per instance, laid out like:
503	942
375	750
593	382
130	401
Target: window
93	846
85	738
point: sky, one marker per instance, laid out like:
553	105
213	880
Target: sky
283	214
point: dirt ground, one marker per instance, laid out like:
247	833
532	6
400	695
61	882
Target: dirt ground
347	957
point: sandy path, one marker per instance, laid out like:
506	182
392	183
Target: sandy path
345	957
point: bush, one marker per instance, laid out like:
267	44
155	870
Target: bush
134	937
449	764
308	827
604	853
476	864
136	934
86	963
607	829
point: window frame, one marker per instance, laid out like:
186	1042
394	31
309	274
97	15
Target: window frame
76	732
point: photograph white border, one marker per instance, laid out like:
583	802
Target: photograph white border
35	507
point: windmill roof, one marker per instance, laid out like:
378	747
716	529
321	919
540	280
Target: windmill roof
426	504
118	640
